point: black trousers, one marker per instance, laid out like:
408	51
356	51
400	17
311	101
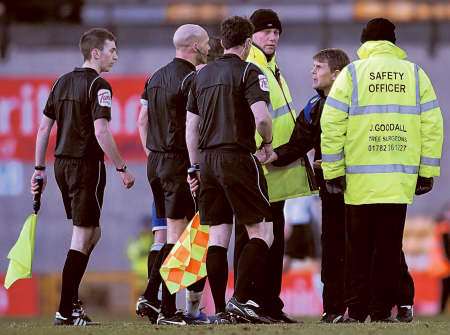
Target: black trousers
333	253
374	246
406	289
270	296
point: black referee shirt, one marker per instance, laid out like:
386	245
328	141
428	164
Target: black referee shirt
76	100
166	94
221	94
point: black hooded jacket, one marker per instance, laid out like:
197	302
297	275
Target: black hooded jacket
306	136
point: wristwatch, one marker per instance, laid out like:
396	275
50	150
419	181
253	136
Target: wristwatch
264	143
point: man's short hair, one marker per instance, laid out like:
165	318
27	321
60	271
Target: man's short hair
94	39
235	30
337	59
216	49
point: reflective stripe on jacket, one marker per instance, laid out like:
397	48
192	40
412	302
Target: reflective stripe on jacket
290	181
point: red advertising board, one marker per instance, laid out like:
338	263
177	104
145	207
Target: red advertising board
21	299
22	100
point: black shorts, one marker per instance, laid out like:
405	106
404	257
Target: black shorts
82	184
232	183
167	174
301	244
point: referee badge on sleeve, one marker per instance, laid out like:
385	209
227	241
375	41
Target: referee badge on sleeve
104	98
263	84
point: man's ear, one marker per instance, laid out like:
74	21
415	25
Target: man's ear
195	46
249	42
335	74
95	53
247	45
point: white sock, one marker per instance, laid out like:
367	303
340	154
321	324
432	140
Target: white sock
193	303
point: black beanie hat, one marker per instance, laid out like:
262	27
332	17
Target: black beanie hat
377	30
265	19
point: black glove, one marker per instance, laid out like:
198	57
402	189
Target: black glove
336	185
424	185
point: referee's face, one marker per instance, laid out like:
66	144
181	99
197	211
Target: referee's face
108	56
267	40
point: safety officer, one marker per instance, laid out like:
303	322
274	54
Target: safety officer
382	134
283	182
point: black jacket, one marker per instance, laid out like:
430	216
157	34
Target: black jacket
306	136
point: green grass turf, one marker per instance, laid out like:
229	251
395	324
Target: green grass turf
112	326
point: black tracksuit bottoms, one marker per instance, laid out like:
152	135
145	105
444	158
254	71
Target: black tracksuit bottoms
406	290
374	258
333	252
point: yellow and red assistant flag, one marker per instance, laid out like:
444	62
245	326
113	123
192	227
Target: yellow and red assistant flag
186	263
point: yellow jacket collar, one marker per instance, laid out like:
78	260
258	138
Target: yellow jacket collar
375	48
258	57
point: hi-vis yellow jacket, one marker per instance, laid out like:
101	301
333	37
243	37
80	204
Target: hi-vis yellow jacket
381	127
290	181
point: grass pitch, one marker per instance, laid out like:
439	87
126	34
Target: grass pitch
425	326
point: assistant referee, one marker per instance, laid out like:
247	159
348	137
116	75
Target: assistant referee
80	103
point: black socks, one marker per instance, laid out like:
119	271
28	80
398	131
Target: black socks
217	269
80	273
74	268
151	260
252	268
155	259
168	305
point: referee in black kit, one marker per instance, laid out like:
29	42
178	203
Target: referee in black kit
162	127
227	103
80	103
